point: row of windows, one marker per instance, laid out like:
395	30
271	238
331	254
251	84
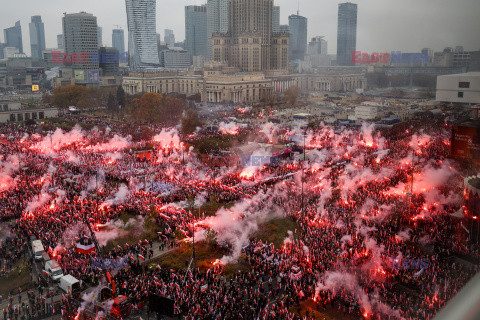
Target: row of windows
26	116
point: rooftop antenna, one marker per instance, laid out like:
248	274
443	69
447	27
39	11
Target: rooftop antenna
298	10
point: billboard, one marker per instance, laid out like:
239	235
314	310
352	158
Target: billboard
93	76
79	75
466	142
35	87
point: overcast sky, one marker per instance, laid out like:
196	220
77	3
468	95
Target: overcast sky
383	25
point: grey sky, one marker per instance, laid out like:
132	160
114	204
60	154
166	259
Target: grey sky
383	25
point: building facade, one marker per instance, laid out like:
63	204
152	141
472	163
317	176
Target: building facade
459	88
346	33
169	38
80	37
13	112
60	42
196	30
108	61
175	59
37	37
217	20
118	40
142	44
250	43
298	37
276	19
318	46
220	84
13	37
99	36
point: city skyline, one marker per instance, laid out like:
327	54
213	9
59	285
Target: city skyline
414	25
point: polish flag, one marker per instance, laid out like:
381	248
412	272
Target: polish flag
85	248
141	257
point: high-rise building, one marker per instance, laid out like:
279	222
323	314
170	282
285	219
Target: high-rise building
276	19
99	36
298	36
217	20
346	33
60	41
81	41
13	37
37	37
250	43
284	28
108	61
2	46
169	38
118	40
196	30
318	46
142	35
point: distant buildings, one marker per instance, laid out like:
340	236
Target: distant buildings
318	46
13	37
222	84
99	36
13	112
217	20
80	36
284	28
346	33
118	40
108	60
196	30
298	37
169	38
175	59
37	37
142	44
317	54
276	19
459	88
250	43
60	43
10	52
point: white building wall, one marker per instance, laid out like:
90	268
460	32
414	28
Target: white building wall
449	88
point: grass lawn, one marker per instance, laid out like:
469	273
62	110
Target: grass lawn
328	314
211	207
276	230
205	256
19	277
134	232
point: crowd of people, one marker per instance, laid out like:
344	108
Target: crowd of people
362	204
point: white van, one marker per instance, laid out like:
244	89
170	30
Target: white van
37	249
53	269
69	284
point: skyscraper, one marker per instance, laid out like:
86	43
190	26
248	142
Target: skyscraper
276	19
81	41
298	36
318	46
60	43
37	37
196	30
347	33
13	37
169	38
142	36
99	36
217	20
118	40
250	43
